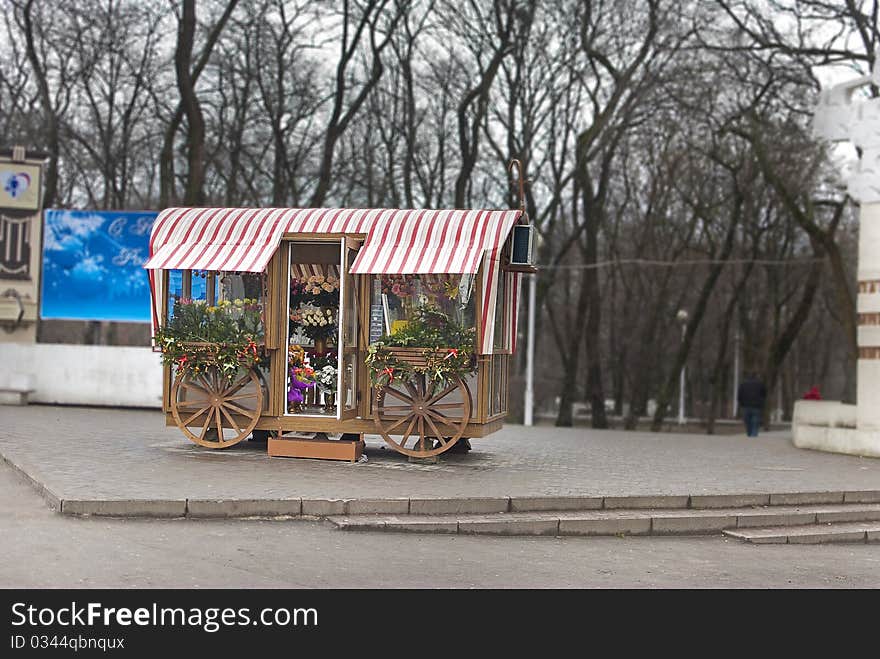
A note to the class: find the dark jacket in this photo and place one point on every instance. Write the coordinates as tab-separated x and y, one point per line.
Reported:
751	393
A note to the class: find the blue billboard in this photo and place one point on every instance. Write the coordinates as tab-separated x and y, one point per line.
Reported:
93	265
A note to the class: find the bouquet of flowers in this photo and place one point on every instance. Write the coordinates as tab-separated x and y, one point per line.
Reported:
318	290
301	378
320	359
399	285
326	378
318	323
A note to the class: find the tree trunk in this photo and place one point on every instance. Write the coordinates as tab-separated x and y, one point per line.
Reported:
194	194
50	183
694	322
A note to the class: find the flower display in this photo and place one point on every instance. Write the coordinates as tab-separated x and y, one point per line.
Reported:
448	349
224	336
313	304
318	323
399	285
326	378
317	290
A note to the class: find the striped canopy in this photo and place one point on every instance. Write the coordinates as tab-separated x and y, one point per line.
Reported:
397	241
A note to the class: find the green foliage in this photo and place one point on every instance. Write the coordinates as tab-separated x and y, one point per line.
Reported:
198	337
448	349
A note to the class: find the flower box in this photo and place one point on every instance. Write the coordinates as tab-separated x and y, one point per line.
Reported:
413	356
322	449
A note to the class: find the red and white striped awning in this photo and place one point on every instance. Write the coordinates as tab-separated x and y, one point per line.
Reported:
397	241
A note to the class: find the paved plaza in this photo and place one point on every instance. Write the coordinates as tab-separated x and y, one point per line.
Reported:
83	454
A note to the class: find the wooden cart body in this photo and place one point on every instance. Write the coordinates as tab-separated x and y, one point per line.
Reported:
206	245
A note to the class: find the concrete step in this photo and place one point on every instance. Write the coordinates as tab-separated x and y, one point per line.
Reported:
670	521
810	534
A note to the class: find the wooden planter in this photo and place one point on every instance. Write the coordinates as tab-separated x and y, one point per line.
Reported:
325	449
415	357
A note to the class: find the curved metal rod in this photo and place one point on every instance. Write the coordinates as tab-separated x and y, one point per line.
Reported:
520	182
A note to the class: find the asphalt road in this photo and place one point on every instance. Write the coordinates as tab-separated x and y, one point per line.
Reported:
42	549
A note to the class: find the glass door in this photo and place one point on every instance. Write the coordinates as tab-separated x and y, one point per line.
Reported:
349	319
314	301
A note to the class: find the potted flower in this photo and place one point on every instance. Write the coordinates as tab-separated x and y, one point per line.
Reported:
319	325
327	379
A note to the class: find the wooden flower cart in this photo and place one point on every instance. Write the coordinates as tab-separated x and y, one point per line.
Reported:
333	288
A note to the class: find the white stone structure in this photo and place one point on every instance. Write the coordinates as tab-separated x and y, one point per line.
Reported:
826	425
115	376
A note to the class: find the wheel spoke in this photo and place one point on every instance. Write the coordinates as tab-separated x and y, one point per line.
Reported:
235	386
409	430
219	422
232	424
208	379
442	418
397	423
189	420
412	390
396	407
241	410
193	402
192	385
205	427
434	429
422	435
204	379
447	406
242	396
443	394
218	380
399	395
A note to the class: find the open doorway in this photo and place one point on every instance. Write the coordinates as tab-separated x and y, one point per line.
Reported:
322	330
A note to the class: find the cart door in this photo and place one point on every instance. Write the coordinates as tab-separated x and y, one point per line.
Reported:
349	319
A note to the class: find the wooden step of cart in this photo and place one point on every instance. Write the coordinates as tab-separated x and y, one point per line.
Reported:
317	445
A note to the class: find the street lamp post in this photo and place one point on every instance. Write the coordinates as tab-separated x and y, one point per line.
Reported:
528	415
682	317
734	404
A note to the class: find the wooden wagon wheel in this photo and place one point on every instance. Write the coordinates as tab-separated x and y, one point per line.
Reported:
222	411
412	409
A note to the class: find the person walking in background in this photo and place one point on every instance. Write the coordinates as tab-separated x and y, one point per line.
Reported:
751	396
813	394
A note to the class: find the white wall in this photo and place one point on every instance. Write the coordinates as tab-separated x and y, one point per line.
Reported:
831	426
86	375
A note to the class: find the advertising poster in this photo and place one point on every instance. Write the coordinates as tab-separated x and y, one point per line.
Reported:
93	265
